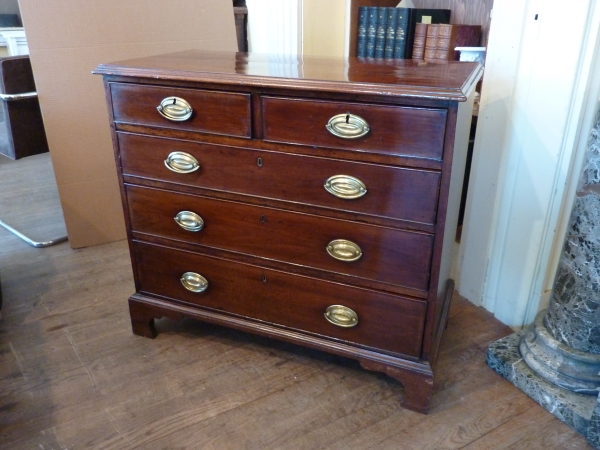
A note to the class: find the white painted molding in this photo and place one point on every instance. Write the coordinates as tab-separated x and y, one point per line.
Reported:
15	40
300	26
583	110
530	113
275	26
347	28
494	108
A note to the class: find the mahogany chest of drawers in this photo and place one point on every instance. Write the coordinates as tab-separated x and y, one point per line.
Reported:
305	199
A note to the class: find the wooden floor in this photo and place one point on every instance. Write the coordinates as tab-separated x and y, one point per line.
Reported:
72	375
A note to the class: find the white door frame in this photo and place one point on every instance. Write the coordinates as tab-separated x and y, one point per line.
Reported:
534	114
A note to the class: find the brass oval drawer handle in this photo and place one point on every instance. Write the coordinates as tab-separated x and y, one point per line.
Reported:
347	126
342	316
344	250
345	186
189	221
181	162
175	109
194	282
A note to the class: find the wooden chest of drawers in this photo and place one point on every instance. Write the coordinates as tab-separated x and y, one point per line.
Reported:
309	200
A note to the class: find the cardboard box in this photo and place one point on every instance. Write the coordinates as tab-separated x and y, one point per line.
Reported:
67	40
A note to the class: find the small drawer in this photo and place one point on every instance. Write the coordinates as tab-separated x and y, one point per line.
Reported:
387	322
391	192
392	130
386	255
211	111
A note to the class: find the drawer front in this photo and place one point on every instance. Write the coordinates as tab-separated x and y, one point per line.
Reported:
389	256
387	322
392	192
393	130
212	112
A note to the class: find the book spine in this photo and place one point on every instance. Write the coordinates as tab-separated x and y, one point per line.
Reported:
431	42
380	32
361	40
390	35
423	15
444	42
418	49
410	32
400	44
371	30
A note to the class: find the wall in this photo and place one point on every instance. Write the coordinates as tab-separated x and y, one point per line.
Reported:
274	26
9	7
533	110
532	114
64	50
291	27
465	12
323	27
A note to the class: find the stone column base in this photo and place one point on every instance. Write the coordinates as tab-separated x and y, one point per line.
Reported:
579	411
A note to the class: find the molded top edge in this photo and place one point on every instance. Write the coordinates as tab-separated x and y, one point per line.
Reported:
442	80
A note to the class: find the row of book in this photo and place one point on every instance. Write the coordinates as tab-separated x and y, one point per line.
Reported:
436	42
402	33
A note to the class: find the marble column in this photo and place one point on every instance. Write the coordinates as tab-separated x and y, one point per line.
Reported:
556	361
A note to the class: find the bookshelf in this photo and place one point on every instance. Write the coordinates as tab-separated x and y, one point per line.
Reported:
466	12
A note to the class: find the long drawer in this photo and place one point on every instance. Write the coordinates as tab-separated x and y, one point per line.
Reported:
381	254
390	192
392	130
215	112
390	323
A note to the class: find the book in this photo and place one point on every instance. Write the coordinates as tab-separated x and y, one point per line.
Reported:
390	35
420	36
371	30
423	15
401	32
380	31
361	41
451	36
431	40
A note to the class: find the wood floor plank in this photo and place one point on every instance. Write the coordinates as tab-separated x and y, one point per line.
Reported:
517	432
541	437
282	416
61	397
89	433
209	383
473	423
324	435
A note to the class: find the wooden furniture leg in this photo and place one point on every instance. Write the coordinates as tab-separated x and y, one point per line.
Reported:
418	387
142	319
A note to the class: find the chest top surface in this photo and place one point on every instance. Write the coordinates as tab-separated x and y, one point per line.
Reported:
452	81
